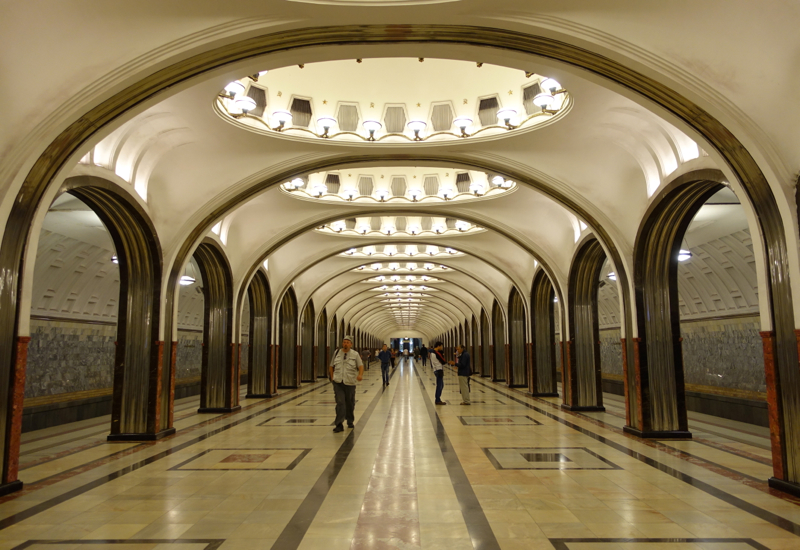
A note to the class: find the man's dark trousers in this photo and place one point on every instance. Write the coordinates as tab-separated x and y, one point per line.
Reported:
385	372
345	403
439	384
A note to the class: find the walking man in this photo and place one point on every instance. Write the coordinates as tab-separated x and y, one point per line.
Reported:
437	363
423	354
464	372
386	359
346	369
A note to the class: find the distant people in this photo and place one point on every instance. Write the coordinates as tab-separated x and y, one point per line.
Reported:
365	353
346	369
386	359
438	363
423	354
394	355
464	372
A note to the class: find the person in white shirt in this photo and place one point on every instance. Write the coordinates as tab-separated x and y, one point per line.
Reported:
438	362
346	369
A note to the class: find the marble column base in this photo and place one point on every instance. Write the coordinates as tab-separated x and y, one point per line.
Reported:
202	410
582	408
258	395
668	434
785	486
141	437
545	394
8	488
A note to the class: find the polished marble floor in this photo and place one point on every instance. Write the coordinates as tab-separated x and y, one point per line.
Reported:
510	472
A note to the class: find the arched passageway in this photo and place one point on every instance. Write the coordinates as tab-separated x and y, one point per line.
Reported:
543	378
219	384
307	344
583	387
289	365
517	335
322	345
260	376
499	371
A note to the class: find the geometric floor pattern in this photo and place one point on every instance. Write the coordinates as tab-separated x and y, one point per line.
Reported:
510	472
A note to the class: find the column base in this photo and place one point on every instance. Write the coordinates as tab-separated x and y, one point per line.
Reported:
518	385
582	408
8	488
141	437
545	394
218	409
258	395
667	434
783	485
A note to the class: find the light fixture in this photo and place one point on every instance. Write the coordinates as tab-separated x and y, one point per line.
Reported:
351	252
450	250
382	194
296	183
684	255
244	104
410	278
443	266
425	278
395	278
114	259
417	126
476	187
447	193
186	280
376	267
543	100
411	249
550	84
364	228
498	181
555	300
461	225
506	115
411	266
390	250
319	189
432	250
234	88
389	229
326	123
462	123
428	266
394	266
372	126
612	276
415	193
283	117
368	250
360	267
439	228
350	193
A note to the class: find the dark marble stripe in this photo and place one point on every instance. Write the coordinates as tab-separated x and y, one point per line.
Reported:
46	505
211	544
770	517
563	544
480	531
292	535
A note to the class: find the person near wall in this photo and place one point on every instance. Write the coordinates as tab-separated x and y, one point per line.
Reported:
423	354
346	369
438	363
464	372
386	359
394	355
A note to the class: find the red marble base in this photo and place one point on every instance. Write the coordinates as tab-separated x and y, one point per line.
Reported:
672	434
774	404
16	397
11	487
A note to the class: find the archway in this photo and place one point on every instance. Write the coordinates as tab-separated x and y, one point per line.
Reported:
517	357
499	370
475	346
288	366
307	373
322	345
219	384
259	377
543	379
486	345
583	389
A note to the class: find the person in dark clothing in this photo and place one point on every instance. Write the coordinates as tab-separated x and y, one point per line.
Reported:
423	354
464	372
438	363
386	359
393	355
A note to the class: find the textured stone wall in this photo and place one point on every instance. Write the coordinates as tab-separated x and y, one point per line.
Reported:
610	351
68	357
726	353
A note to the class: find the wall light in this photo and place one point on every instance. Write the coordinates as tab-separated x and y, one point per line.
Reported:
326	123
114	259
283	117
462	123
186	280
417	126
376	267
684	255
234	88
506	115
372	126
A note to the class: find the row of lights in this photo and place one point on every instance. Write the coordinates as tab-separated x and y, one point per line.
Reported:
396	278
411	250
413	228
319	189
243	104
395	266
